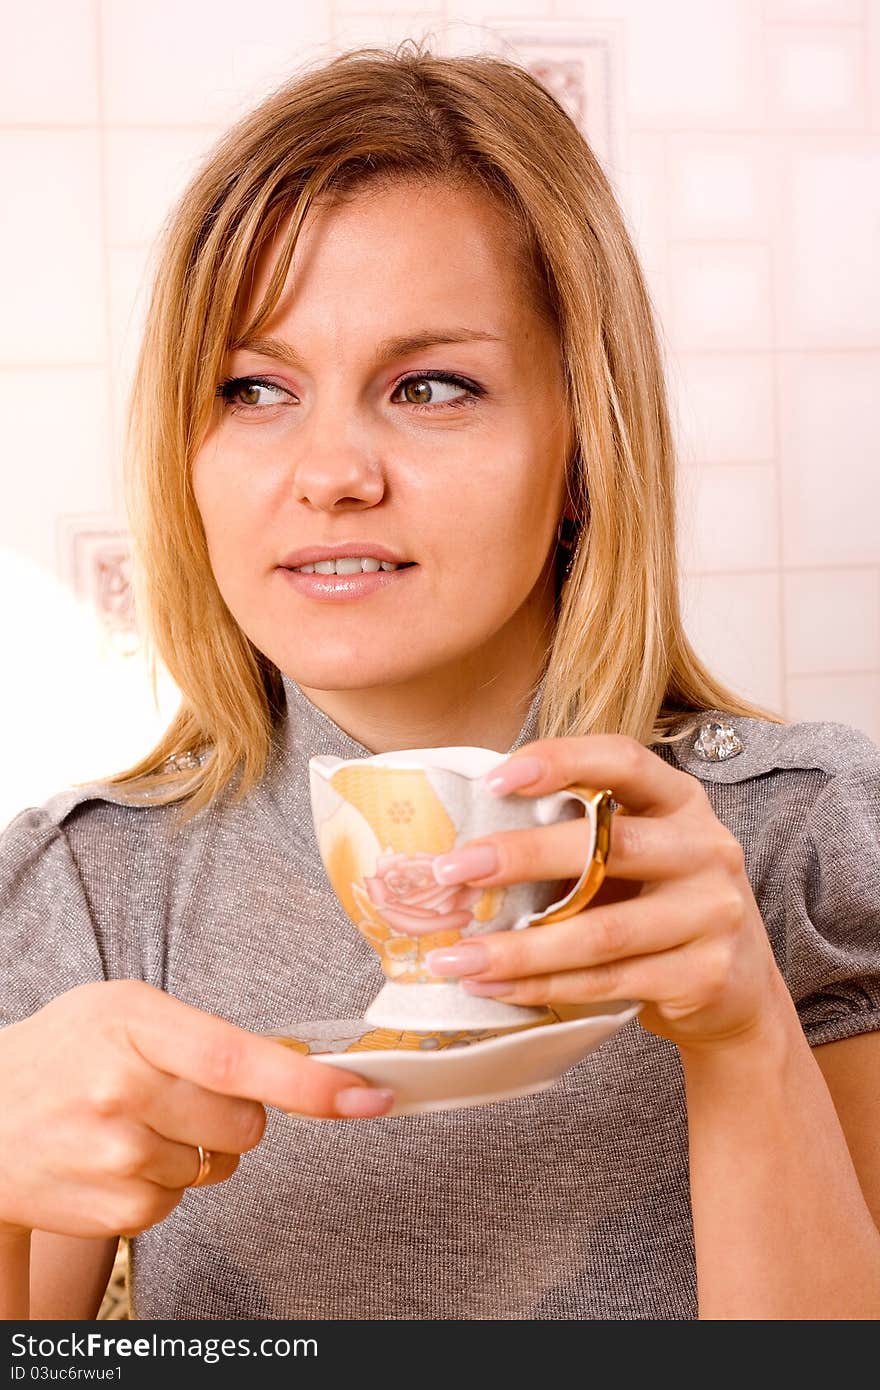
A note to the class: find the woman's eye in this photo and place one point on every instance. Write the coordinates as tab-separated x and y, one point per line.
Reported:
244	394
421	394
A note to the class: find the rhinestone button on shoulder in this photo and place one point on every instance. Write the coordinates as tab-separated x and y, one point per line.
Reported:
182	762
716	742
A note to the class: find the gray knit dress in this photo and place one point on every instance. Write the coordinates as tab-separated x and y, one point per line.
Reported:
569	1204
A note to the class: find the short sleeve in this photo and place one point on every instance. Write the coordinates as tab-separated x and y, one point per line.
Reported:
833	909
47	937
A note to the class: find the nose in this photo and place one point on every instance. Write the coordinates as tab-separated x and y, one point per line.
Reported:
331	471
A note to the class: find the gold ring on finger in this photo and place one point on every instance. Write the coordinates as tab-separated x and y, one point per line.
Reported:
205	1159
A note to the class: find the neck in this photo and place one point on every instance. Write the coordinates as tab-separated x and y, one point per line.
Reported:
475	702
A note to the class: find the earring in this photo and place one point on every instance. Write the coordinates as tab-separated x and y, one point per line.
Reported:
567	533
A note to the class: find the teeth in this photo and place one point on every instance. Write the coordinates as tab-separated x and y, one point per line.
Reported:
347	565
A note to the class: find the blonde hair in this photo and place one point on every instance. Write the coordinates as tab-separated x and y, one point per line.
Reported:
619	660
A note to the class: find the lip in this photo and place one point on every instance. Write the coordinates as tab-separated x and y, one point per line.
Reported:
310	554
343	588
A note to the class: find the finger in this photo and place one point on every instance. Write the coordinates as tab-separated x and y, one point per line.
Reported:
665	978
177	1166
599	935
221	1057
130	1152
638	779
188	1114
641	849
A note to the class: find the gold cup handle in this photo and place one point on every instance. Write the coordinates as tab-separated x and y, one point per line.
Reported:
594	872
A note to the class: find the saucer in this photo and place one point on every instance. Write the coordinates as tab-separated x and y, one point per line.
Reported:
448	1070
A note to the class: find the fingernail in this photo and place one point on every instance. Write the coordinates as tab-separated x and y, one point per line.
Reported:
518	772
462	865
468	958
487	986
363	1101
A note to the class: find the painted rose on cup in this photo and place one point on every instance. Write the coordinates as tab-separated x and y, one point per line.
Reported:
409	897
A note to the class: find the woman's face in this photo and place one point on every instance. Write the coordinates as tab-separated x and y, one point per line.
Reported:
354	443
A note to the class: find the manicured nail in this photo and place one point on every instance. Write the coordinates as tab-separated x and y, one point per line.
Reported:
468	958
363	1101
518	772
463	865
488	986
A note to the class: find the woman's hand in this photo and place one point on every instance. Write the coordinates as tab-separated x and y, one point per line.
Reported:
675	923
107	1092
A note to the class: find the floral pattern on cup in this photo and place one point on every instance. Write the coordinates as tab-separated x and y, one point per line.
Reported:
409	898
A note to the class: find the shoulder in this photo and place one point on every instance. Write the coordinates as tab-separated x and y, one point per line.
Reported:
725	748
91	820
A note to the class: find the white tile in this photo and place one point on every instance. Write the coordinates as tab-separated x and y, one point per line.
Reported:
146	171
815	78
453	12
48	64
851	700
815	11
427	22
687	63
381	7
872	62
733	622
719	295
728	518
480	11
171	64
723	406
828	289
130	273
641	194
52	305
718	186
62	466
830	462
832	621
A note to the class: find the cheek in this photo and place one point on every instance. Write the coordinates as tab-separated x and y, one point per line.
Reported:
227	501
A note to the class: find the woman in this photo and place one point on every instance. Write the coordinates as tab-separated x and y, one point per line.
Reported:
455	385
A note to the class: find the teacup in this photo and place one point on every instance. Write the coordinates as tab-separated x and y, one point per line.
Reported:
382	820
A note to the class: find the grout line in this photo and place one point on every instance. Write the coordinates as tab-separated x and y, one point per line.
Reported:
775	229
143	127
836	673
856	567
110	462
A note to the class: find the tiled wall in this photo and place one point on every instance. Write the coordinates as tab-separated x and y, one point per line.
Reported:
743	138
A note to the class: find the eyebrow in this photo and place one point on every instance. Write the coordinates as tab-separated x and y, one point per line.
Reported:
387	351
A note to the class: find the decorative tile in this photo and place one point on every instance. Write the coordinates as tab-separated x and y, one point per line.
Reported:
99	559
579	63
